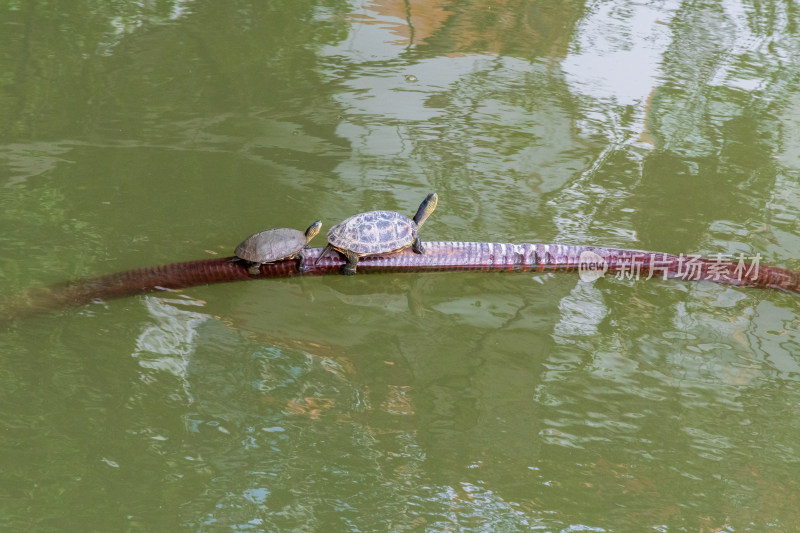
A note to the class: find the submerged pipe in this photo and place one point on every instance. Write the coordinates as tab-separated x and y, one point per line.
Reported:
438	256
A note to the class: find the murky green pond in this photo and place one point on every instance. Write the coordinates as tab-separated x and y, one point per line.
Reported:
141	133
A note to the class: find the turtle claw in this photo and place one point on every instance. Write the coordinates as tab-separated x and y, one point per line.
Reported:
325	251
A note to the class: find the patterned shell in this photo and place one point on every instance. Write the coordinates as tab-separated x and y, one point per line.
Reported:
271	245
375	232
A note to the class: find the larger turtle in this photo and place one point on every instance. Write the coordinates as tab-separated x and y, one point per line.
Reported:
378	232
274	245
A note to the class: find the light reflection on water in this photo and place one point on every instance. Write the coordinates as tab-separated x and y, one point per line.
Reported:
442	401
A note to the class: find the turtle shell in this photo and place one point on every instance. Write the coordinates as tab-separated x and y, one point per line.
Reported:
271	245
374	232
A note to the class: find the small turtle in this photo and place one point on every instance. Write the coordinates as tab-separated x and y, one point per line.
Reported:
377	232
276	244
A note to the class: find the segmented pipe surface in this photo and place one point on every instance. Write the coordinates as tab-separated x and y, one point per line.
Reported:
438	256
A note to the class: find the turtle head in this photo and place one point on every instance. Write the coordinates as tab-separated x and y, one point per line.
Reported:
312	230
426	208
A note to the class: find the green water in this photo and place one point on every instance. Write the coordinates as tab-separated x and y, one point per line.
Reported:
141	133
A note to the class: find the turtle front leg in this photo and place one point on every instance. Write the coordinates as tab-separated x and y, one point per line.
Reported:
254	269
417	246
301	264
349	268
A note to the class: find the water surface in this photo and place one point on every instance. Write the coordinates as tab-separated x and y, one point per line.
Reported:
135	134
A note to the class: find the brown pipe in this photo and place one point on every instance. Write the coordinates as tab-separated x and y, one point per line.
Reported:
438	256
